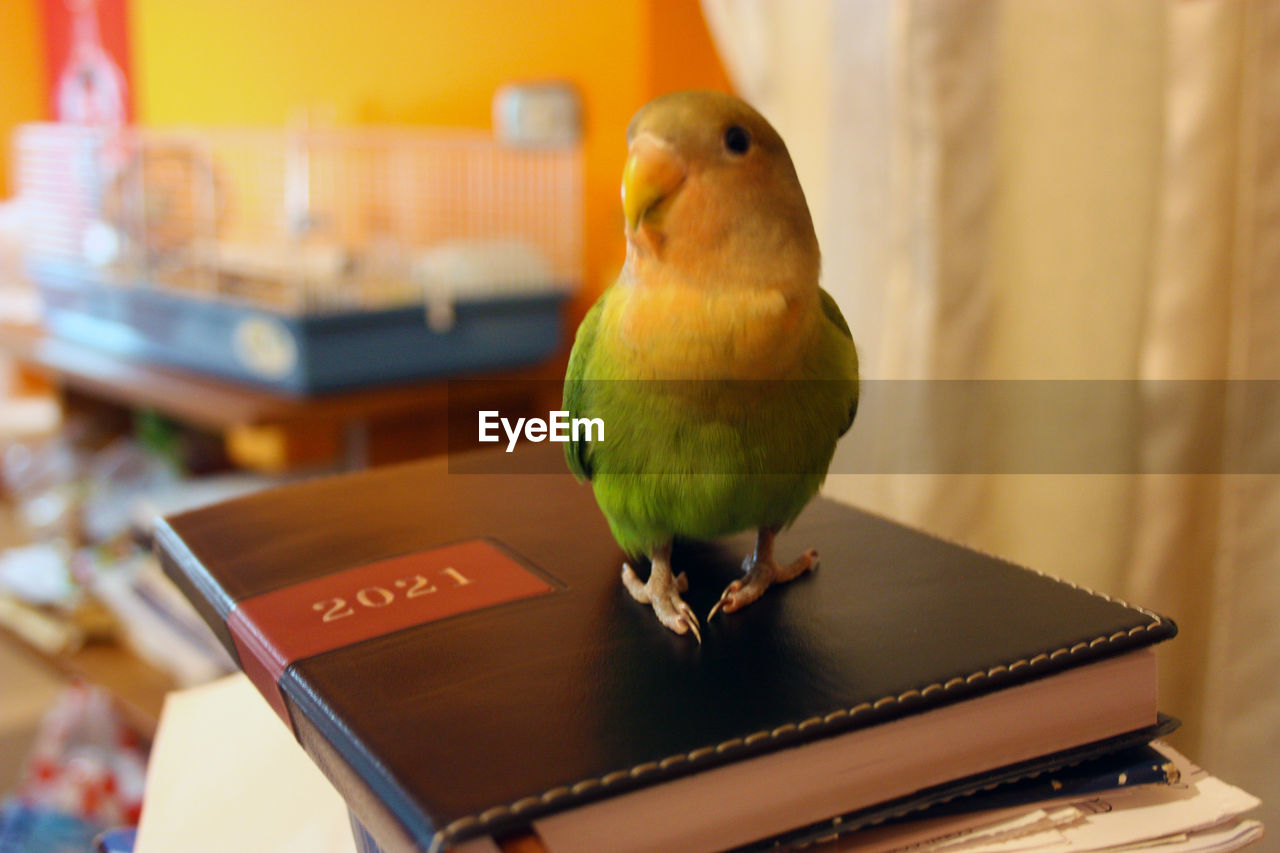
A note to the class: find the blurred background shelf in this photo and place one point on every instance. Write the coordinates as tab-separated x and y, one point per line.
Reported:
273	431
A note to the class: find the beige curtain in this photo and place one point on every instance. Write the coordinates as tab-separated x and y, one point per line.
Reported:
1207	547
888	109
1031	189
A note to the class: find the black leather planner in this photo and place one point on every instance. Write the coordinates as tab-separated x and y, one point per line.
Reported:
457	653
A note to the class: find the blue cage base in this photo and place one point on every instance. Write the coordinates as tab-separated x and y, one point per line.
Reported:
298	354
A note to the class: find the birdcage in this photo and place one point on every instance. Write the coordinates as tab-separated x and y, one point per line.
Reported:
305	259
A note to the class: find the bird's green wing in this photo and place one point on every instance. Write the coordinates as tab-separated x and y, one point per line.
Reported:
832	312
575	389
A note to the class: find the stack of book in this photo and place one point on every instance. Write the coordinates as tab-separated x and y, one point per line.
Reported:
1148	797
457	654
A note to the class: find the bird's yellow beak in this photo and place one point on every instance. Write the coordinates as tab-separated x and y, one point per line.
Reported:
652	173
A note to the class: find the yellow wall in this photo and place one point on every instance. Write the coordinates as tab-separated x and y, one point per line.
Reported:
21	75
425	62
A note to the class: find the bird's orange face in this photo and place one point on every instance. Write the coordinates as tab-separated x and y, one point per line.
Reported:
708	180
722	263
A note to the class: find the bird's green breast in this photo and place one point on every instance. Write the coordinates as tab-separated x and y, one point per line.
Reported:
701	457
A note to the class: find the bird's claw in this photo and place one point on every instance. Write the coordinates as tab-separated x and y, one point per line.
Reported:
678	616
687	615
760	575
665	599
724	596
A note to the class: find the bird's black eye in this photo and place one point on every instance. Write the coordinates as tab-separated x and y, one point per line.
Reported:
736	139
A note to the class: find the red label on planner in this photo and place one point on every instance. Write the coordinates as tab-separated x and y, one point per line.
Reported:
275	629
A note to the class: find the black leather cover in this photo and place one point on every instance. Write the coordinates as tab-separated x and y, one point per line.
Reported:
478	723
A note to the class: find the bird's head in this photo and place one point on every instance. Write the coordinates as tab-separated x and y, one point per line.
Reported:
708	182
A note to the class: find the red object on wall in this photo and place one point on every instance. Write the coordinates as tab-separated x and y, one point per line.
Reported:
87	62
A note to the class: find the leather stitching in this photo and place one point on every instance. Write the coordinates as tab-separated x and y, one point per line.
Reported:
449	832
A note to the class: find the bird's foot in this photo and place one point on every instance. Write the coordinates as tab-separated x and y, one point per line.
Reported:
662	592
760	575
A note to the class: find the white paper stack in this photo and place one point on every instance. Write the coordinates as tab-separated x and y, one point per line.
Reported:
1199	813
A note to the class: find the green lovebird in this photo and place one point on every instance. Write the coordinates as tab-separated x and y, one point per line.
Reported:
723	373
